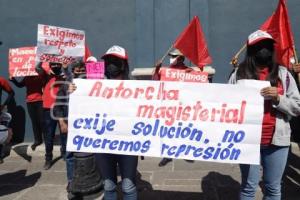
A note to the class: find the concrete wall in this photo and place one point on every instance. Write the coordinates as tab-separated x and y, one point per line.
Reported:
146	28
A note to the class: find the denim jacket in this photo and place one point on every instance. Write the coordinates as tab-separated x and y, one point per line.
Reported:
289	106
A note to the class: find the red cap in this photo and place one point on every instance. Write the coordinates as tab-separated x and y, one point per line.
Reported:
117	51
258	36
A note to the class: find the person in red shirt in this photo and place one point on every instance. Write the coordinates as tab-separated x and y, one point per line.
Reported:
176	62
4	86
34	92
54	78
282	101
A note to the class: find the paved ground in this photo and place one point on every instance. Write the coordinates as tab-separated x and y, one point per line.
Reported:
22	177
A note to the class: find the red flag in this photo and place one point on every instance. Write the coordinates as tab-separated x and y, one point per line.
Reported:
87	52
278	25
191	42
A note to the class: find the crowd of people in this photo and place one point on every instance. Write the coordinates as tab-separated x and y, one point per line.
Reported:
46	111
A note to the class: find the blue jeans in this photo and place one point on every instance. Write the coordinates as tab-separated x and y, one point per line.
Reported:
128	166
49	130
273	162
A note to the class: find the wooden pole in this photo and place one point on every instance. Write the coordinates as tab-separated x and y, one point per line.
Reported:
159	62
296	61
236	56
165	55
295	54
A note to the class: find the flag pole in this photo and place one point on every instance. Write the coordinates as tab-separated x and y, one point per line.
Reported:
158	64
296	61
295	54
235	57
165	55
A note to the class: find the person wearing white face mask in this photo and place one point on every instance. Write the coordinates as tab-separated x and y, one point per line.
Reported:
176	62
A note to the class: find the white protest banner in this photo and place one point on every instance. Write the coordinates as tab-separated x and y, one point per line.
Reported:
208	122
21	62
57	44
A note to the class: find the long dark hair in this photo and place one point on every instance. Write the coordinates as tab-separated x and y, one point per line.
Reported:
247	69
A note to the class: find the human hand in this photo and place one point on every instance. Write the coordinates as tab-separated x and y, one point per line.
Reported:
72	87
63	126
270	93
155	75
234	61
296	68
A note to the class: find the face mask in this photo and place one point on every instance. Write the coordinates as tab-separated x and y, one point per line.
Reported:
263	56
173	61
112	71
56	70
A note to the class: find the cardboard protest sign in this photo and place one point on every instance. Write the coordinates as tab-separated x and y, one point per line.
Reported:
169	74
95	70
208	122
57	44
21	61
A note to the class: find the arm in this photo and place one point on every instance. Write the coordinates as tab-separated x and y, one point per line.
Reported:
60	109
10	93
39	69
290	102
17	83
156	74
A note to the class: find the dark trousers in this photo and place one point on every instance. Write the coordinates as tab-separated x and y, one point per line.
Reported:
35	110
49	130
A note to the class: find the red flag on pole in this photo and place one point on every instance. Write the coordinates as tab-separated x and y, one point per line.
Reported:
87	52
191	42
278	25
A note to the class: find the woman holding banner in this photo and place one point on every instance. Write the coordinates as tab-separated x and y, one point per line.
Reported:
282	100
116	67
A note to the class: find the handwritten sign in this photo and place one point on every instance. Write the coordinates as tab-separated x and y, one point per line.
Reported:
95	70
169	74
208	122
22	62
57	44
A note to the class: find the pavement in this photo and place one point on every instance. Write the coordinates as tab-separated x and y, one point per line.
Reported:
22	178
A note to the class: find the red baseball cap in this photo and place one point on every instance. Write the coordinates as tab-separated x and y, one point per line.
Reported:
257	36
117	51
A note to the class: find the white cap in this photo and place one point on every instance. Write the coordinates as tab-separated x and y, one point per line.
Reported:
258	36
116	51
91	59
175	52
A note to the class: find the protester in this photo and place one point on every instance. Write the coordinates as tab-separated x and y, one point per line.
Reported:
176	62
60	110
116	67
84	180
5	117
282	100
34	92
53	77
